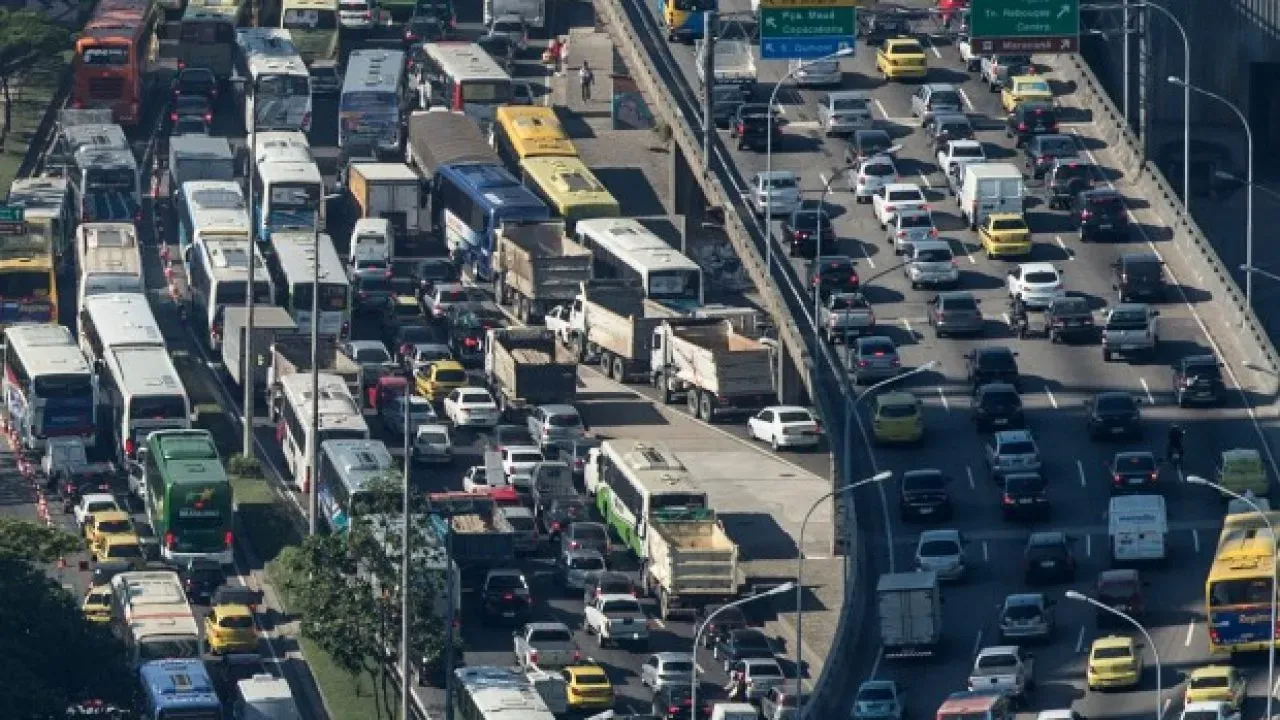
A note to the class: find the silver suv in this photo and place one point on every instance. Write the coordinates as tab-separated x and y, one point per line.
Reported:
1012	451
1026	616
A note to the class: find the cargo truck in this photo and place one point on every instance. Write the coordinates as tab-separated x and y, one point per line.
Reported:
714	366
291	355
690	561
538	267
477	534
735	64
396	192
270	323
612	322
526	367
910	610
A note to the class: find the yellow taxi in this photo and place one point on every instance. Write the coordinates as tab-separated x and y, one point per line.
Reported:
121	546
1216	683
1023	88
1005	235
896	418
107	522
1114	662
439	379
230	629
901	58
588	687
97	604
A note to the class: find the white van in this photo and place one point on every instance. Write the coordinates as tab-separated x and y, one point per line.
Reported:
371	243
988	188
734	711
1138	527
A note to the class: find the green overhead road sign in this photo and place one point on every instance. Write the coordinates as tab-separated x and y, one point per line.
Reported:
1024	26
807	22
12	220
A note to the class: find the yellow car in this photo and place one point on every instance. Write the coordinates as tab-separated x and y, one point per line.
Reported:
1114	662
1025	87
97	604
897	418
107	522
122	546
230	629
1216	683
588	687
900	58
1005	235
439	379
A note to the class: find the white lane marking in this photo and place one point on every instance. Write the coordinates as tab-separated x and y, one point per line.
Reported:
1191	631
1058	239
923	178
1181	477
1195	540
1165	707
977	643
1276	689
969	471
1052	400
986	554
1003	316
932	47
1080	640
822	177
875	666
1080	469
880	107
655	620
965	97
1147	389
907	324
941	395
1088	544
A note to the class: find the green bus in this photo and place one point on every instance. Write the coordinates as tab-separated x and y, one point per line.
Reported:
636	484
187	495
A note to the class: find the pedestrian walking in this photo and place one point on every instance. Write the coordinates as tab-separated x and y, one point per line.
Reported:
554	55
587	78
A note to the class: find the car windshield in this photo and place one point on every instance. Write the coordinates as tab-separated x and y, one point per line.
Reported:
1018	447
100	505
904	195
878	169
1009	224
677	667
1115	403
809	218
1127	320
952	304
1041	277
967	151
915	220
1106	205
109	527
1057	146
1209	682
875	694
944	98
433	437
998	660
1116	652
795	416
1021	611
505	582
591	678
939	548
124	550
933	255
924	481
1135	463
1203	371
765	670
955	129
616	586
780	183
1143	269
508	27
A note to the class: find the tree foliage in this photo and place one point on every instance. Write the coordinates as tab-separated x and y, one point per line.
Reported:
28	542
25	36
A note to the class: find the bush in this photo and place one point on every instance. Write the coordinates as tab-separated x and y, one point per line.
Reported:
244	466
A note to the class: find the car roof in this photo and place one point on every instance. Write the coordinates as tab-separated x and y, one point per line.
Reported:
1034	106
366	344
1112	641
98	497
932	245
907	212
965	143
559	409
897	397
902	186
1126	575
111	515
1005	436
546	626
1024	599
948	117
1038	267
956	295
934	87
940	534
789	408
848	95
986	350
1213	671
1047	537
875	340
672	656
1139	256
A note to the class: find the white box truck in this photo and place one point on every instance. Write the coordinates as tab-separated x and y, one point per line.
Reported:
988	188
1138	528
910	609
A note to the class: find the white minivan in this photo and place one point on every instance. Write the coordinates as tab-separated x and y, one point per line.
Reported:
1138	528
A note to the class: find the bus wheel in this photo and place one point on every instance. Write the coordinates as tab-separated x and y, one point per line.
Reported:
619	369
706	406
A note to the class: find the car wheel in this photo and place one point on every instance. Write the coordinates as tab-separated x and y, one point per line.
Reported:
773	443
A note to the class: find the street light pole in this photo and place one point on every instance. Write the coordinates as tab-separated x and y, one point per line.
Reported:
1275	576
315	382
247	374
877	478
405	683
785	587
1074	595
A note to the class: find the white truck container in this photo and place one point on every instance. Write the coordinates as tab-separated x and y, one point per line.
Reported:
371	242
987	188
1138	528
735	63
612	323
269	324
910	610
689	563
534	12
265	697
714	366
392	191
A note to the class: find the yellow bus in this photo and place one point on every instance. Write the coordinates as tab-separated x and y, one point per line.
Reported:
1238	591
28	283
314	27
525	131
569	188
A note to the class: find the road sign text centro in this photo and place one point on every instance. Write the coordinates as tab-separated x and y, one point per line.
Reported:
1012	26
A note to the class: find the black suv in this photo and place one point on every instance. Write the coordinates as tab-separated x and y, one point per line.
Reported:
1101	215
1198	380
424	29
751	127
866	143
1031	118
1138	276
801	232
924	496
1048	558
726	621
200	578
196	81
1042	150
429	271
998	405
883	26
1136	471
1026	496
1113	414
992	364
674	701
945	127
742	644
836	273
1069	318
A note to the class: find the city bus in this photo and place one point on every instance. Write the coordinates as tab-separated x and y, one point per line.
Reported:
624	249
210	209
287	196
465	78
470	203
347	469
636	483
152	615
292	263
340	419
177	689
219	275
188	496
28	279
375	95
110	58
497	693
281	146
46	209
104	180
525	131
314	27
1238	590
109	260
569	188
273	85
49	389
685	20
208	35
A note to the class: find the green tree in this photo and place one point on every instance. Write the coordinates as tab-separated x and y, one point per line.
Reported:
25	36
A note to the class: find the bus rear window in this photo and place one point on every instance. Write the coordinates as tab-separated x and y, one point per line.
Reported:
333	298
660	501
105	56
232	292
158	407
63	386
487	91
209	33
369	100
25	284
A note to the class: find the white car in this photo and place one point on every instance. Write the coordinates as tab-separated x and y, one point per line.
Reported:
941	551
891	198
785	426
557	321
91	503
471	407
518	460
1036	283
432	444
476	479
871	175
778	191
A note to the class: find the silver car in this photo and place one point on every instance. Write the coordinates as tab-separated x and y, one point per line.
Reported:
872	174
666	668
931	263
431	444
577	567
1026	616
933	98
843	112
1012	451
816	73
911	226
877	700
585	536
873	358
955	313
941	551
554	423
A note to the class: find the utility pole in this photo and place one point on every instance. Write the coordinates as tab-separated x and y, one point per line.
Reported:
315	380
247	345
405	682
1144	83
709	29
1128	53
450	580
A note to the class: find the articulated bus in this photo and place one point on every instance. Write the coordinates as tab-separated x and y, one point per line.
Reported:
624	249
525	131
111	58
375	95
466	79
293	272
569	188
109	260
49	389
218	269
314	27
635	483
28	279
1238	591
339	419
287	196
347	469
188	497
470	202
273	85
685	20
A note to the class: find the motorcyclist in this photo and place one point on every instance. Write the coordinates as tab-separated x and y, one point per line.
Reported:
1017	311
1175	441
737	687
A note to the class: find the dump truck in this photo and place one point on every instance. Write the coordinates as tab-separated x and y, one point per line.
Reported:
526	367
611	322
291	355
910	610
538	266
715	367
479	536
690	561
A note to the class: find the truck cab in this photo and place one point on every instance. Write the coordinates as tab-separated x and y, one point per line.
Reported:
371	243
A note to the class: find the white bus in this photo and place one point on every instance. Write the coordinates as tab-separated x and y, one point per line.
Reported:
293	273
49	389
624	249
273	85
340	419
464	78
210	209
633	481
281	146
218	271
374	98
116	320
497	693
154	617
347	469
109	260
287	196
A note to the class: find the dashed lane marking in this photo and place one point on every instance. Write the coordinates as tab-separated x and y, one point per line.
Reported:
965	97
1052	400
880	107
969	471
1191	631
907	324
1088	545
1151	399
1080	469
1080	641
1058	239
941	393
986	551
925	179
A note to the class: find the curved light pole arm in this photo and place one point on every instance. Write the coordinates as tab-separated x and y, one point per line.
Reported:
1249	269
1186	102
1155	652
697	635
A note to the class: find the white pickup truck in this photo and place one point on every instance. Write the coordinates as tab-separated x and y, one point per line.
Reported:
1005	669
617	619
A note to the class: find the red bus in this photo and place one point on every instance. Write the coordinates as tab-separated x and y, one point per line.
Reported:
111	58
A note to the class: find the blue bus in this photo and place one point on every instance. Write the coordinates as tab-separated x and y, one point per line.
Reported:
685	20
178	690
470	202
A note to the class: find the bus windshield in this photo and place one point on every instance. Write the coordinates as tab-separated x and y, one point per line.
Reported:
24	283
105	56
62	386
282	86
369	101
497	92
333	297
295	19
158	407
177	647
111	179
206	32
673	284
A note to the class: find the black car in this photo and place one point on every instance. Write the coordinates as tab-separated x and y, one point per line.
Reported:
866	143
429	271
726	620
560	513
1198	380
945	127
751	127
1113	414
801	232
924	496
1101	215
741	644
1047	559
424	29
401	338
1134	471
1031	118
442	9
1138	276
992	364
883	26
1026	496
195	81
469	324
674	701
833	274
372	292
998	405
607	583
192	106
506	595
1120	589
200	578
1069	318
726	100
1065	179
1043	150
